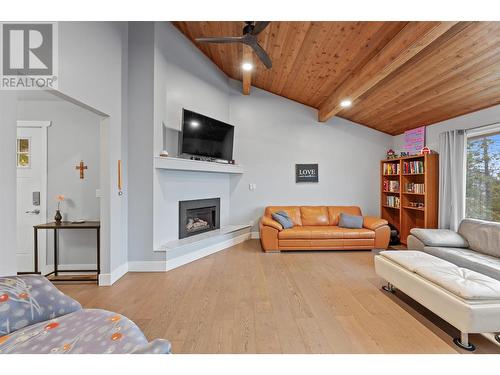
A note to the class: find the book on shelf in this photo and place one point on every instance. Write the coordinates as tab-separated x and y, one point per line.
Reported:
391	168
392	201
413	167
415	188
391	186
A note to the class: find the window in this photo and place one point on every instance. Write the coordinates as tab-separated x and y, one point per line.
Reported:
482	194
23	152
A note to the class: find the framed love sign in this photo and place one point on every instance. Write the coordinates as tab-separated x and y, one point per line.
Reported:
306	172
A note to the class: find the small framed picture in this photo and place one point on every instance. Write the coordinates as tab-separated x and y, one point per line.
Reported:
306	173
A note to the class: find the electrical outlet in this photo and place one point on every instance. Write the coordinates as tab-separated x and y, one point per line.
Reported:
252	186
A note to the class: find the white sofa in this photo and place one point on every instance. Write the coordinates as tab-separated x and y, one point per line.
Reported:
468	300
476	246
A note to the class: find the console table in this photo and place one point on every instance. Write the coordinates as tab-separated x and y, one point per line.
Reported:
65	225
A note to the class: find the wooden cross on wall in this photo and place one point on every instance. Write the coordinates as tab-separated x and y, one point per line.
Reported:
81	167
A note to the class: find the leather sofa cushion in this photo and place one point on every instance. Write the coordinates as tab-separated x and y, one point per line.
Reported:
325	232
358	233
411	260
334	212
482	263
483	236
295	233
439	237
467	284
462	282
314	215
292	211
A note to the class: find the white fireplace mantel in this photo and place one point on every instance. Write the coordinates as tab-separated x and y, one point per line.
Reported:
172	163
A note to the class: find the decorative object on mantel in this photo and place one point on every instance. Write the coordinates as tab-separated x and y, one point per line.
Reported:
164	153
404	154
425	150
390	154
58	216
81	167
415	140
306	172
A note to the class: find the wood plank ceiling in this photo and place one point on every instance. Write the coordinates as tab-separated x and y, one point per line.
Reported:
457	73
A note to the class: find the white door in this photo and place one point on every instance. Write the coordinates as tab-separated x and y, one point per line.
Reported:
31	162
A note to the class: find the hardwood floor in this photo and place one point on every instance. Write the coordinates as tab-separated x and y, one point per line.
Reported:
242	300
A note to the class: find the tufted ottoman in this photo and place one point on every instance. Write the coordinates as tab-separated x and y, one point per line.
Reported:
468	300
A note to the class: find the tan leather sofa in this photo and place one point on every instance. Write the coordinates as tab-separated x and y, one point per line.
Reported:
316	228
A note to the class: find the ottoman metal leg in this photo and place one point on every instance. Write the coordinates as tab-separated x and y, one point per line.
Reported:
389	288
463	342
497	337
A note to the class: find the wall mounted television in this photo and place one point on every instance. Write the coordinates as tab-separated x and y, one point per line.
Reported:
205	137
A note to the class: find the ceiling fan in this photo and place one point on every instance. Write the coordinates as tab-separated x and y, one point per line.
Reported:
250	32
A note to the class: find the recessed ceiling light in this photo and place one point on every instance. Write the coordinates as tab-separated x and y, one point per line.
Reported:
247	66
194	124
345	103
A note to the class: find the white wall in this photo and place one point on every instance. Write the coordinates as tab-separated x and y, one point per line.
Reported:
272	134
176	186
140	140
8	211
472	120
91	71
184	78
73	136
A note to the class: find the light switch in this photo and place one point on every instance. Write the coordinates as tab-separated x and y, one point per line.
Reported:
98	193
252	186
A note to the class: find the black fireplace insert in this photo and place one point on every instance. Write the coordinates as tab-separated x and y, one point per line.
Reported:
198	216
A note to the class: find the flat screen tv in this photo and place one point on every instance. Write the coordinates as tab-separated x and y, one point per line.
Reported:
206	137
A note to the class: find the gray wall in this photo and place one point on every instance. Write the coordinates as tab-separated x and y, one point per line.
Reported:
472	120
140	139
8	211
273	133
91	71
73	136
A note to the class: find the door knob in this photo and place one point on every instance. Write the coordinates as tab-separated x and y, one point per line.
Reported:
35	212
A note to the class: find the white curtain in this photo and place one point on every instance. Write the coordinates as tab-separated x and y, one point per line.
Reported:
451	178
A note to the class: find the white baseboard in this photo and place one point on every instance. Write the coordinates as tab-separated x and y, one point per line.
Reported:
147	266
195	255
255	235
106	279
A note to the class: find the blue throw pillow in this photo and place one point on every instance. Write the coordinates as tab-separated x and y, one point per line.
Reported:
350	221
30	299
283	218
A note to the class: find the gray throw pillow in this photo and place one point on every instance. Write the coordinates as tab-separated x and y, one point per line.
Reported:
350	221
283	218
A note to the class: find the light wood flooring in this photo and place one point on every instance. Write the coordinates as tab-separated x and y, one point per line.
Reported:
242	300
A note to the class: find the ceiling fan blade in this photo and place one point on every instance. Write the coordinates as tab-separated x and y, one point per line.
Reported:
226	39
263	56
259	27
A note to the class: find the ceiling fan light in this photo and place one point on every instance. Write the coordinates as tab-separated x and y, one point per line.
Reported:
345	103
247	66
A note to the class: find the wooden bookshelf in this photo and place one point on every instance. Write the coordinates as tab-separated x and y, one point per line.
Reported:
404	216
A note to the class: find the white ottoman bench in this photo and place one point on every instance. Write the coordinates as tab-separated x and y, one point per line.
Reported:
466	299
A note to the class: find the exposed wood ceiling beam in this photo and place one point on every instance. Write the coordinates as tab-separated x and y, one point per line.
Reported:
412	39
247	74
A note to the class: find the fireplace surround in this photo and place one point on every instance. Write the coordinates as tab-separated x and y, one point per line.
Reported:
198	216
